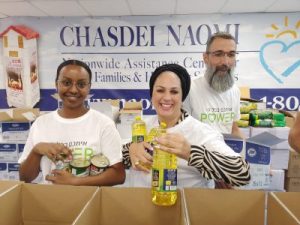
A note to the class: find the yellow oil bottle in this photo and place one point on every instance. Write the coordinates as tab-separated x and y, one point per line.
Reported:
139	130
164	174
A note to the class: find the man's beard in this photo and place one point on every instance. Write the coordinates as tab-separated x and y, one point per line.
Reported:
219	82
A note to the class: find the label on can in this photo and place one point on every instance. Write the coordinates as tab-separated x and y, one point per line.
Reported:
99	163
80	167
63	163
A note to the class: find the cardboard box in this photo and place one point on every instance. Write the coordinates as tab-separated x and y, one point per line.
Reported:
3	171
129	111
276	180
257	151
280	132
279	159
32	204
19	114
129	206
109	108
226	207
15	131
8	152
283	208
294	164
292	184
6	185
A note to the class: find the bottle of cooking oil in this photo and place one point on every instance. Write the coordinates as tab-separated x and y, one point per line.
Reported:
139	134
139	130
164	174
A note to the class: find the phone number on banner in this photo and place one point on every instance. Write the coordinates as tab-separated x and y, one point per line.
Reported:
286	99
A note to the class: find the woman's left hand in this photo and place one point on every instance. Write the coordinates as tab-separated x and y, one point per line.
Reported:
61	177
175	143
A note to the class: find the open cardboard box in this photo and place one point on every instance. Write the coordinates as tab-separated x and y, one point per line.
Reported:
6	185
226	207
129	111
32	204
129	206
236	207
284	208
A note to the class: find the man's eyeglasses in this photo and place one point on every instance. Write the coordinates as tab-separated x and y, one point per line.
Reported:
70	83
221	54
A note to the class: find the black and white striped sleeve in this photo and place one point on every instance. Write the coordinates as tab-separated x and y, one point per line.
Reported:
126	157
233	170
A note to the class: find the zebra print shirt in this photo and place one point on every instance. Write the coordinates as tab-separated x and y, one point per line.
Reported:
233	170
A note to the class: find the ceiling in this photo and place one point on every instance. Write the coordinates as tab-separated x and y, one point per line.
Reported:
42	8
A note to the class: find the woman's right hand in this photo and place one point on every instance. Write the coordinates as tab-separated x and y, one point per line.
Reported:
53	151
140	158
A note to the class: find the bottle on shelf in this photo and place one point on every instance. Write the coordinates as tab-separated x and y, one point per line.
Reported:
139	130
164	174
139	134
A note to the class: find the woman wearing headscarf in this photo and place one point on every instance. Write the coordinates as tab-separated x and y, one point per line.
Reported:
202	153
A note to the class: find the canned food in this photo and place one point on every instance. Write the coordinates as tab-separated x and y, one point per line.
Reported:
80	167
63	163
99	163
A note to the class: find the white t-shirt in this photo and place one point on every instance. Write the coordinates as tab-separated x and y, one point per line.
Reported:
219	110
90	134
196	133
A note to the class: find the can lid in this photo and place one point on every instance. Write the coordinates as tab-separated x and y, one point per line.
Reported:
100	160
80	163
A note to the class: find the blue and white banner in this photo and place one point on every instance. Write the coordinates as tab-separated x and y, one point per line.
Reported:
123	52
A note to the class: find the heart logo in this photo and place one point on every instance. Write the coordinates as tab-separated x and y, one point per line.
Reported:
283	53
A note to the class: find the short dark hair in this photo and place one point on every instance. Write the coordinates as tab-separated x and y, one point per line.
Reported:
221	34
73	62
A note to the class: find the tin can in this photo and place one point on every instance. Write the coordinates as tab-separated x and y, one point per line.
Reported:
80	167
63	163
99	163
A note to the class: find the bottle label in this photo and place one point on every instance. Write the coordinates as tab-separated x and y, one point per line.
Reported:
168	181
137	138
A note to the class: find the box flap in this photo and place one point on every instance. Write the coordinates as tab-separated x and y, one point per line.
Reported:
11	206
226	207
282	207
265	139
54	204
24	115
134	206
6	115
132	106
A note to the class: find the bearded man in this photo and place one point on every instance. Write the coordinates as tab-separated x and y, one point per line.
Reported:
215	99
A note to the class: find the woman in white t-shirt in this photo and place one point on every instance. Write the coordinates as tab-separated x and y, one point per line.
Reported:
203	154
72	131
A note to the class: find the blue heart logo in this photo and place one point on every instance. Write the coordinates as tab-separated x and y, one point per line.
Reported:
284	49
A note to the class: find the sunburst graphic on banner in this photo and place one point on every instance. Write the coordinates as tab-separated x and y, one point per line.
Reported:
286	30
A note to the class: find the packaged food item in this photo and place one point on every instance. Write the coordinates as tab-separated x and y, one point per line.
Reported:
63	163
139	130
99	163
80	167
164	174
243	123
139	134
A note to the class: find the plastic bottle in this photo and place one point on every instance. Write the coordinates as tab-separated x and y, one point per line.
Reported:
139	134
164	174
139	130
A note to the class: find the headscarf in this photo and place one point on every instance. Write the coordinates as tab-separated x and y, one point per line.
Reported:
181	72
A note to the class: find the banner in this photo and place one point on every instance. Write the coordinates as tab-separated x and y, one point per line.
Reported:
123	52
